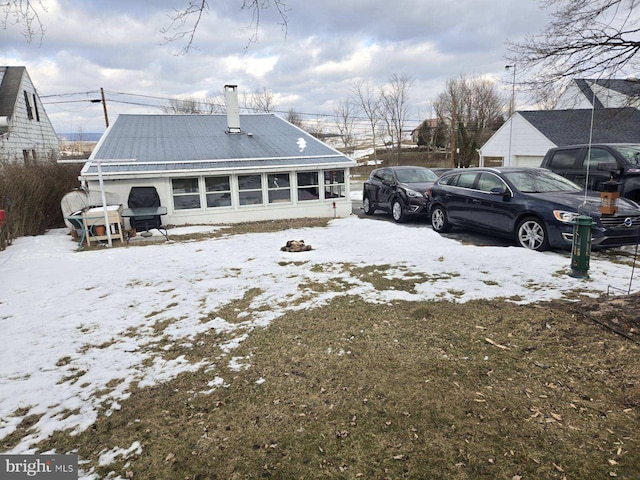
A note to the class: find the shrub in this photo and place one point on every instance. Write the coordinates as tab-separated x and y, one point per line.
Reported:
30	195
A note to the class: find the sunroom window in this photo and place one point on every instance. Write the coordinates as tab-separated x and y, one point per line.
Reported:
186	193
218	191
308	187
250	189
279	187
334	186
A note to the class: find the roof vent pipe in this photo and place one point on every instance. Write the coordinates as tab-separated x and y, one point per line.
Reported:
233	112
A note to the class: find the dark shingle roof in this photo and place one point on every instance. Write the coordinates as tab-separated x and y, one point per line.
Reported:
628	88
10	79
196	142
571	127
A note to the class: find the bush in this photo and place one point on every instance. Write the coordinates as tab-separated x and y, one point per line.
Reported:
30	195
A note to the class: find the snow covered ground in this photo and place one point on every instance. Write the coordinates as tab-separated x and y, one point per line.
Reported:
78	326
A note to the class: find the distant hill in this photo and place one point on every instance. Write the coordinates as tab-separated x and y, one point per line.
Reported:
76	137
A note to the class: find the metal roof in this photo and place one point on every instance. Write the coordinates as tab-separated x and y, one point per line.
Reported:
571	127
160	143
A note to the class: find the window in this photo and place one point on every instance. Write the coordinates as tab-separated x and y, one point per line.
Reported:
489	181
186	194
218	191
308	188
564	159
334	186
598	155
250	189
27	105
35	107
279	186
466	180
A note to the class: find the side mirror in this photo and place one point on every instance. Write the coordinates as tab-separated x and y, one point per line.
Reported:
501	191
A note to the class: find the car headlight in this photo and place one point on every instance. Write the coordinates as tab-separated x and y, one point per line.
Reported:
413	193
565	217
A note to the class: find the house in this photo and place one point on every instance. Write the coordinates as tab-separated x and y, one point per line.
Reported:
525	138
26	134
601	93
228	168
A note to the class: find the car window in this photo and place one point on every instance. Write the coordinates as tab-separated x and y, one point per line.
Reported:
377	174
448	179
596	156
415	175
631	153
387	176
564	159
466	180
539	181
489	181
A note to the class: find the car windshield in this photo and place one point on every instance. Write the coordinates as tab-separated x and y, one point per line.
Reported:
416	175
538	181
631	153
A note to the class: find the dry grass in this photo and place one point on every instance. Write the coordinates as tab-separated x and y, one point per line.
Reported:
406	390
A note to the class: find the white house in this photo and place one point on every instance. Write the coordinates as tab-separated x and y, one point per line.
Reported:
600	93
26	134
524	139
229	168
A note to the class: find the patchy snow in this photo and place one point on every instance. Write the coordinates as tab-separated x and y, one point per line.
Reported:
78	327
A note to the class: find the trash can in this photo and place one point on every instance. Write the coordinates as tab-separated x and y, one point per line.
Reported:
581	246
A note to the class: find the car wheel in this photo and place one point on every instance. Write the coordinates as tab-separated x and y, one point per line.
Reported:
439	221
367	206
397	211
531	233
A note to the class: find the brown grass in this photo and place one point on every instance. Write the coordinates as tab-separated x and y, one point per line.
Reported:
485	389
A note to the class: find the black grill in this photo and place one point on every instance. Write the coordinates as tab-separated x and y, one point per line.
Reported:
618	221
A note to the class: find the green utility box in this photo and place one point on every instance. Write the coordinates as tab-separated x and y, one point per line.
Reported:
581	247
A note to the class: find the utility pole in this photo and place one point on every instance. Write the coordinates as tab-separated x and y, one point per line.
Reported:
512	107
104	106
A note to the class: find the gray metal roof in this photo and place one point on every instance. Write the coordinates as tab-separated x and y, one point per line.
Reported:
572	127
10	79
160	143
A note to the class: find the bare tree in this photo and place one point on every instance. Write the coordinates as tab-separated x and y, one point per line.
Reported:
394	107
585	38
260	101
26	13
368	100
194	106
343	115
295	118
472	107
183	25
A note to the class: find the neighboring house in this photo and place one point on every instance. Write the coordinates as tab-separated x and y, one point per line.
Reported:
525	138
222	168
26	134
604	93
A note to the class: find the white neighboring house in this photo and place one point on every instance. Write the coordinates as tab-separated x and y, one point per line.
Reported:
26	134
525	138
211	169
600	93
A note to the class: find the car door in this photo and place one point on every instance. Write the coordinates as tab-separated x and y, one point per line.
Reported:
458	199
387	189
490	209
593	176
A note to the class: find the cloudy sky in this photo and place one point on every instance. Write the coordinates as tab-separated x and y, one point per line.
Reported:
118	46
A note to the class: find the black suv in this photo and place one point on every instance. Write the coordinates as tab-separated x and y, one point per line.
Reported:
400	191
604	161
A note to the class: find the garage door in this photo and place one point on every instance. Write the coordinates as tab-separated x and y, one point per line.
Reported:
528	161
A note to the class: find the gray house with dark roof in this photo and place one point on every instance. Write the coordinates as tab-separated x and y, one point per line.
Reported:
525	138
26	134
229	168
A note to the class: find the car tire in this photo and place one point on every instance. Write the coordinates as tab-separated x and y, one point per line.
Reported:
397	211
531	233
368	207
439	221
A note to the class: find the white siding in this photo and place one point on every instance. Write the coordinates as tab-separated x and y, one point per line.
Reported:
520	138
28	134
572	98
